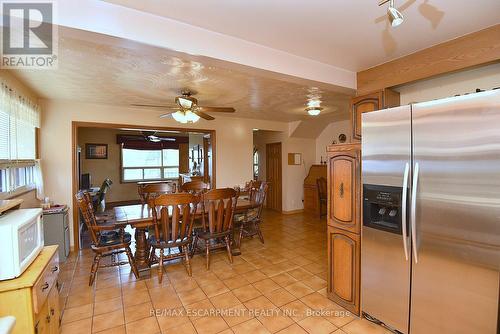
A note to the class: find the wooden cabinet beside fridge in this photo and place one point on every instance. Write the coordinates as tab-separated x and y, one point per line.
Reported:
344	225
381	99
343	268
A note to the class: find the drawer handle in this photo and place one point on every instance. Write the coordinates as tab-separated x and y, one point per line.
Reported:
45	286
52	311
341	190
54	269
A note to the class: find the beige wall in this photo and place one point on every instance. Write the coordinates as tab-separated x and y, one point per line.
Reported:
484	77
100	169
234	141
292	175
329	134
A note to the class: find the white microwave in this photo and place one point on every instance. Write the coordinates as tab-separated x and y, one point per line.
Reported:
21	240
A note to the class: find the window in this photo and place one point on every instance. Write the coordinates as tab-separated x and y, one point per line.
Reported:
17	179
18	120
255	164
143	165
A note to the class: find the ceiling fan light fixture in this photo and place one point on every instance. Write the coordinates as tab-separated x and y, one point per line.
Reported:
394	15
314	111
185	117
185	102
192	117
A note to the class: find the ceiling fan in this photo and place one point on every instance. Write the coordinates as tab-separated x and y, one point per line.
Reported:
187	109
152	137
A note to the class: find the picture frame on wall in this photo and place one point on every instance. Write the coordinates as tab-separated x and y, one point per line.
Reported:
96	151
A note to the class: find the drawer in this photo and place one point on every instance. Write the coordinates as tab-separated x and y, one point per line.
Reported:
45	282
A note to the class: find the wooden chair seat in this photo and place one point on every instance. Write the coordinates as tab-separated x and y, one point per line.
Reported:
158	243
113	238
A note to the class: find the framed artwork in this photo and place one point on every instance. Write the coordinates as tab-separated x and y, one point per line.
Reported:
96	151
294	158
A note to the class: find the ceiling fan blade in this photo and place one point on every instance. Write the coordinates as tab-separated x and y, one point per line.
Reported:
154	106
166	139
203	115
168	114
216	109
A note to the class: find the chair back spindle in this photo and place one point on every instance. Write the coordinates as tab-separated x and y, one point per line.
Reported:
219	205
173	216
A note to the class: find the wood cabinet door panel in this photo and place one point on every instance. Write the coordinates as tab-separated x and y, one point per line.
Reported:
342	195
343	268
344	190
362	104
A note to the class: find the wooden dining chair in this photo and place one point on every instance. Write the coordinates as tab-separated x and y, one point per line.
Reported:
218	207
173	216
106	239
155	189
250	221
195	187
321	184
100	199
254	189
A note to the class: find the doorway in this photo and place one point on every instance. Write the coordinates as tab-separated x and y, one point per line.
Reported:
273	176
186	153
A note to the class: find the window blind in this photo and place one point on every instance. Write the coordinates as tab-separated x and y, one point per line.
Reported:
18	120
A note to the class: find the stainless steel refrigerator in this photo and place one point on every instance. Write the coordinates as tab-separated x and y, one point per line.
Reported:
430	251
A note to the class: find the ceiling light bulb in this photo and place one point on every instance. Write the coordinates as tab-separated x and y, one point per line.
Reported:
179	116
191	117
314	111
395	16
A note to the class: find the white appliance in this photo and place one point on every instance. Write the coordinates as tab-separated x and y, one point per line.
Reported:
21	240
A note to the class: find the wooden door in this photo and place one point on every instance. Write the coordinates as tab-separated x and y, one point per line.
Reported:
343	266
273	176
344	188
207	161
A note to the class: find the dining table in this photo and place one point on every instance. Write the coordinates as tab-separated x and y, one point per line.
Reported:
139	217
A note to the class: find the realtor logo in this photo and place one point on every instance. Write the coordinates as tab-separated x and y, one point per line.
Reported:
28	35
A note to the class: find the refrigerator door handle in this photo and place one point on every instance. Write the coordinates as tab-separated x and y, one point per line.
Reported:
404	203
414	212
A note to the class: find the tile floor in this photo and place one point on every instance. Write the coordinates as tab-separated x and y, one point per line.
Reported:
278	287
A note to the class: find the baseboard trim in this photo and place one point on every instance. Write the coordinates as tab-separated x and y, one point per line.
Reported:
292	212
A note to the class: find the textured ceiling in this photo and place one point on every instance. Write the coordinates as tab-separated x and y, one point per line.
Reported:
101	69
353	35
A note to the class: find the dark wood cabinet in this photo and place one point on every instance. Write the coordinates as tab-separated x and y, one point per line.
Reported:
385	98
344	268
311	199
344	190
344	225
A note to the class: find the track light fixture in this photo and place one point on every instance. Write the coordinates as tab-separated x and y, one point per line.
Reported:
394	15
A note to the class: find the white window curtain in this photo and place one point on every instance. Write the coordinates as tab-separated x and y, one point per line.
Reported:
40	193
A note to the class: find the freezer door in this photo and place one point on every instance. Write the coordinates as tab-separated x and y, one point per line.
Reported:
455	271
385	268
